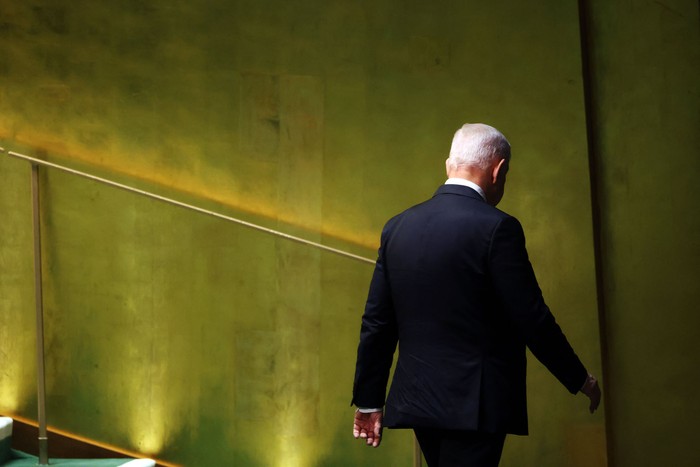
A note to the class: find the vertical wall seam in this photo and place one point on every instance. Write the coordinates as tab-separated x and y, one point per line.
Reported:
594	167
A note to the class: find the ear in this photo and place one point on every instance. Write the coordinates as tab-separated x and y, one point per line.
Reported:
447	166
497	169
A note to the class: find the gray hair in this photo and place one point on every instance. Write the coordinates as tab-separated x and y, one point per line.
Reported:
478	145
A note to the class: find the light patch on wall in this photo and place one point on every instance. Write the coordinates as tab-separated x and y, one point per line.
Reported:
10	393
14	378
17	365
289	454
147	432
295	446
146	411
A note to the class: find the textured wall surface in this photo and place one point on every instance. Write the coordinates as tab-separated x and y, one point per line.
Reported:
202	342
646	65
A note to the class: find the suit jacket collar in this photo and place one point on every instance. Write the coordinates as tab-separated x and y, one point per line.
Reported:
458	190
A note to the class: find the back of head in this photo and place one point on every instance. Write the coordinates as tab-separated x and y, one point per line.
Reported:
478	145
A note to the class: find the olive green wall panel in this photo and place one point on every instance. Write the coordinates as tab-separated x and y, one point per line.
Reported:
175	335
646	65
17	312
181	336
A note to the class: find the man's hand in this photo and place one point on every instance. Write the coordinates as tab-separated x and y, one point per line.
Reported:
592	390
368	426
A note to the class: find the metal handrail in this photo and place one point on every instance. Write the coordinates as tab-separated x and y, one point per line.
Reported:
218	215
43	441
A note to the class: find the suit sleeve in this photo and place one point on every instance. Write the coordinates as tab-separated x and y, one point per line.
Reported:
378	338
521	298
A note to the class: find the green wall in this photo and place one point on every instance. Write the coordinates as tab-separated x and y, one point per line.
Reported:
646	70
201	342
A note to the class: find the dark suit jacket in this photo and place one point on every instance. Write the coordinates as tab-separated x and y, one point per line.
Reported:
454	286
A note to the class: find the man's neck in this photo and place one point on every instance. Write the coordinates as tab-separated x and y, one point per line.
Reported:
467	183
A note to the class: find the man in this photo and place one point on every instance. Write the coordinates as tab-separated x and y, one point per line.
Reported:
453	285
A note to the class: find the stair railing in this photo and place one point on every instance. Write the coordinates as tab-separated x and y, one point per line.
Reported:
38	287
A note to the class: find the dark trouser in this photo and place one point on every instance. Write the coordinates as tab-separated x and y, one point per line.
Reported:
457	448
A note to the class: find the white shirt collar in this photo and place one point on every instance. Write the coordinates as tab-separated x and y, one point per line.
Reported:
465	182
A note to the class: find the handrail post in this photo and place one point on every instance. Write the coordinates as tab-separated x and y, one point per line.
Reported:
39	301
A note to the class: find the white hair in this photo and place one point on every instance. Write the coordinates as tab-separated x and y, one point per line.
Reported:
478	145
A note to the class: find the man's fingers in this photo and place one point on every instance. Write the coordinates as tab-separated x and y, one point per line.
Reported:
592	390
359	432
373	440
595	396
377	435
368	426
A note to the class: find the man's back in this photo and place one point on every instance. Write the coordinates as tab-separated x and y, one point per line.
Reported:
457	351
